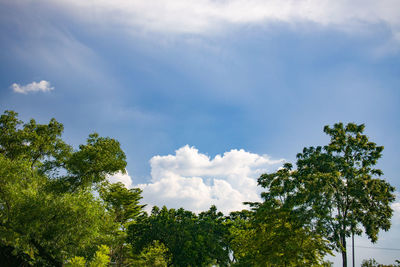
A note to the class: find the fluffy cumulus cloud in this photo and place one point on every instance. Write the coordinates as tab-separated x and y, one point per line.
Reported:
204	16
194	181
42	86
124	178
396	210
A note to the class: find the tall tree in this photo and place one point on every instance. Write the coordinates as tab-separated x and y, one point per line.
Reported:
191	240
242	235
337	187
123	206
281	234
154	255
47	208
214	233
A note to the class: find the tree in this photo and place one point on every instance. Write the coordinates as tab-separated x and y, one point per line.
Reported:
277	234
242	235
191	240
336	188
123	206
271	238
176	229
100	259
374	263
46	226
47	208
154	255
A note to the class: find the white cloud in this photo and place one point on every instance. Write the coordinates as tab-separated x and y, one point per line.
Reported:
124	178
194	181
42	86
396	210
205	16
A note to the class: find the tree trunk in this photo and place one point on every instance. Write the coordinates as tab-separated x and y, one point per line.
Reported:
344	252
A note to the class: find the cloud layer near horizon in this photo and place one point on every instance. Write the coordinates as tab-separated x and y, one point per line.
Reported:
207	16
194	181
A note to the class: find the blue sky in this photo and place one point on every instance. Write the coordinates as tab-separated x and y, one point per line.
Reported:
202	87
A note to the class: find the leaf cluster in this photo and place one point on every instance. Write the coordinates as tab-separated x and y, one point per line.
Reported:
191	240
335	190
48	209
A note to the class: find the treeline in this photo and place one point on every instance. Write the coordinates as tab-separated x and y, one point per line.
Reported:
57	208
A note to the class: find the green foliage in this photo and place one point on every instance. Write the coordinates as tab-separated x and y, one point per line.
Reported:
191	240
288	234
154	255
41	145
374	263
121	202
273	237
76	262
47	208
49	211
101	258
336	188
327	264
242	236
94	161
123	207
214	236
369	263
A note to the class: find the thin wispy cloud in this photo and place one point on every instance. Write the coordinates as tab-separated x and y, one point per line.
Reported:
42	86
205	16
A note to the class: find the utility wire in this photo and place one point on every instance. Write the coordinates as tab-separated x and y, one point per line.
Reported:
397	249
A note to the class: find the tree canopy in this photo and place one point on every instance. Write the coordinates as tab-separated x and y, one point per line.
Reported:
335	189
191	240
48	211
58	209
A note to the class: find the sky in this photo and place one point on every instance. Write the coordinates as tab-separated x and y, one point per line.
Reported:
206	95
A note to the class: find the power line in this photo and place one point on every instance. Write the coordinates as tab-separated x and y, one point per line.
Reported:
397	249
